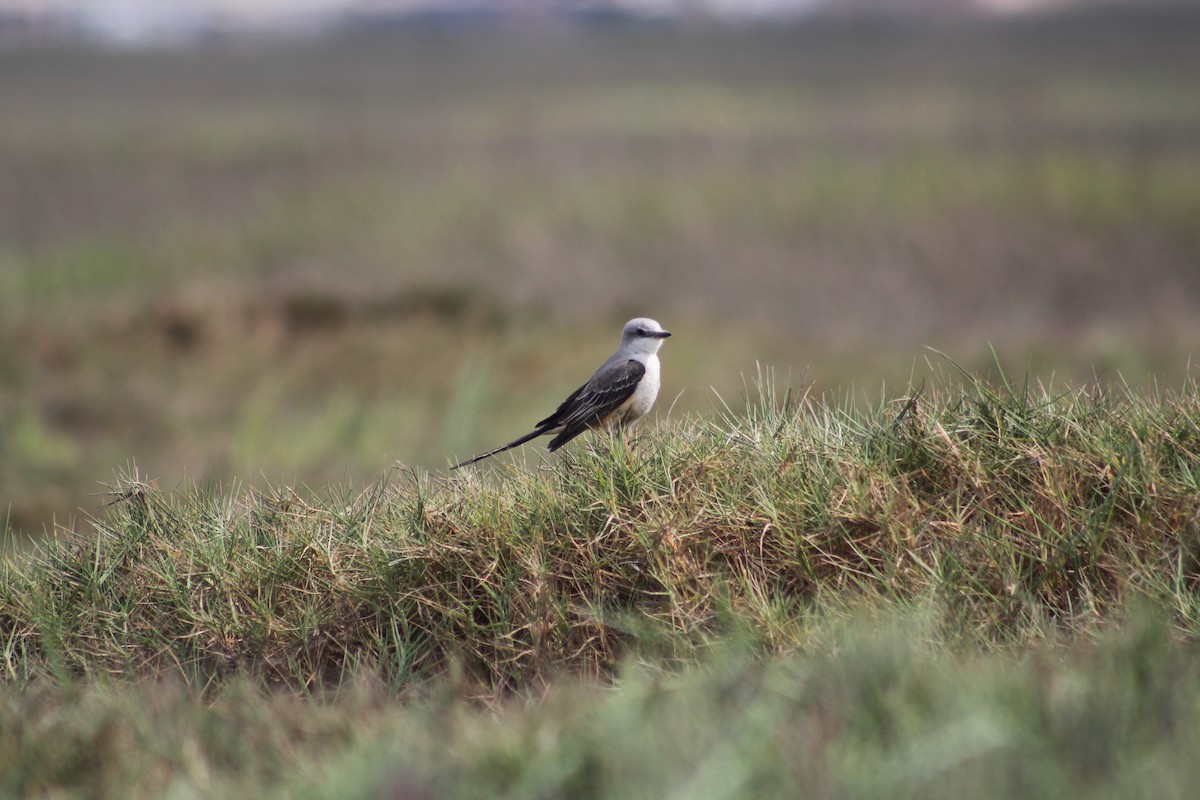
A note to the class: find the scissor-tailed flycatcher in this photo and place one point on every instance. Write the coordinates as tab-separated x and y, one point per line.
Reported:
619	393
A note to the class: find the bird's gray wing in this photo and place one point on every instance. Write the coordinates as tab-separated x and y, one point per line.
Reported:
553	421
591	403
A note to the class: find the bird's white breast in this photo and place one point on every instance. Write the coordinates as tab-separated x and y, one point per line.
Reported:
643	396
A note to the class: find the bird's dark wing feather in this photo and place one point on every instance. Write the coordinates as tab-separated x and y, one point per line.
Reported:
554	420
595	400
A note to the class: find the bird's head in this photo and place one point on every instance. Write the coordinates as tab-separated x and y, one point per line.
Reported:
643	335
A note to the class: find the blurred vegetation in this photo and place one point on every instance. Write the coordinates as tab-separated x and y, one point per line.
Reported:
877	710
305	261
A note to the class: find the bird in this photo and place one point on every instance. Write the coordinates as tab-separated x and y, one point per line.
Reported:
618	394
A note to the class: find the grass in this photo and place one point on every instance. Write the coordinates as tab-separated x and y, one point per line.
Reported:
881	714
875	709
971	589
1022	514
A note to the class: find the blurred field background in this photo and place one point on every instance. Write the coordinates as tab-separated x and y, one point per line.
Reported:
306	261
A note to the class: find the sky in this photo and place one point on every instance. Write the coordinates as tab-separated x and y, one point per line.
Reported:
134	21
264	8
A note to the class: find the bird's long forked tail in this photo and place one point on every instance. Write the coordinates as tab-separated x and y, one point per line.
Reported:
516	443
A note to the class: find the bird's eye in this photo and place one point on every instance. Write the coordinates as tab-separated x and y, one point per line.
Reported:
641	331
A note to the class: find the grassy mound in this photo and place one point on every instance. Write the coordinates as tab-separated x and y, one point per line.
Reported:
1020	514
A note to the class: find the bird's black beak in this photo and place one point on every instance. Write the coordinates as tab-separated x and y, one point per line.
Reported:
661	334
